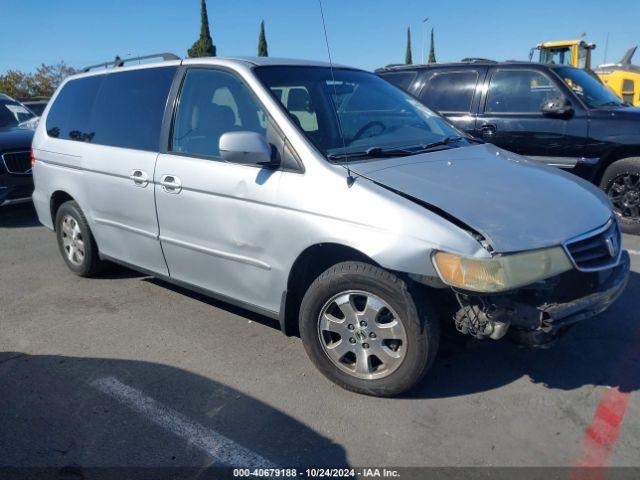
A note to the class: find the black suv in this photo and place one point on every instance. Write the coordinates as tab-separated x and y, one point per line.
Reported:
16	134
554	114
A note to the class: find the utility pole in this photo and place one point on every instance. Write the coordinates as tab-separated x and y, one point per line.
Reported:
424	38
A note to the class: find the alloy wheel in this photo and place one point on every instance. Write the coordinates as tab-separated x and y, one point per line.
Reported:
624	193
72	240
362	335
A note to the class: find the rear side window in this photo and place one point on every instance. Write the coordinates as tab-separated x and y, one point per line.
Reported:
123	109
400	79
69	115
451	91
129	107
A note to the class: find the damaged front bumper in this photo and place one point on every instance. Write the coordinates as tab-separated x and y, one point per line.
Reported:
537	314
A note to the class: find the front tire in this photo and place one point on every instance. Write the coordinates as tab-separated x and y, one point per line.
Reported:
621	182
366	331
75	241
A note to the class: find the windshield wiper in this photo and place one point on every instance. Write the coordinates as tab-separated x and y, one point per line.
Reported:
373	152
440	143
380	152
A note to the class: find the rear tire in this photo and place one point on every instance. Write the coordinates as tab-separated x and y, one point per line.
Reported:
384	335
621	182
75	241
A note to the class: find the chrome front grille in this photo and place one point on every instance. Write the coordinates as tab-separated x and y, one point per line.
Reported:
17	162
596	250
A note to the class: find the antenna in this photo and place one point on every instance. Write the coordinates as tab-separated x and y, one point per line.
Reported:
350	179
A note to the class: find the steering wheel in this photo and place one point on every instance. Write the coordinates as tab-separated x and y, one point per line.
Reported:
368	126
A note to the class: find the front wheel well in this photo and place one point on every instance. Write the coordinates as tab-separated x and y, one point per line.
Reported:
57	199
612	157
308	266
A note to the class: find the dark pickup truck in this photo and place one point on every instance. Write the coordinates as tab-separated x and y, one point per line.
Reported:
555	114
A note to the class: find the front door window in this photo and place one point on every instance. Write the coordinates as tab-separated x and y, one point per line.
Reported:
212	103
519	91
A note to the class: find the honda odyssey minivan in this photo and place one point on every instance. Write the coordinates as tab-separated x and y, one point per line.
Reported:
326	198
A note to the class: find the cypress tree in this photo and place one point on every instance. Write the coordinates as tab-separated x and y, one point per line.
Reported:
407	56
262	42
203	47
432	50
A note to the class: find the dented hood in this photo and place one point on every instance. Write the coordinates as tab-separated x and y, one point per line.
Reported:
516	203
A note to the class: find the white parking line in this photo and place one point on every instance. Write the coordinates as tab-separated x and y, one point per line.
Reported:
219	447
633	252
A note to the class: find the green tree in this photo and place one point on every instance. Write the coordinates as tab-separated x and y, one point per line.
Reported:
408	59
16	84
41	83
203	47
432	50
262	42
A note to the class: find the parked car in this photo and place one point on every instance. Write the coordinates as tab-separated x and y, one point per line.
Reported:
361	227
16	183
36	104
553	114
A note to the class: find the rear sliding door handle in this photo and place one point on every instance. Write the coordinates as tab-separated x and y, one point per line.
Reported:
139	178
171	184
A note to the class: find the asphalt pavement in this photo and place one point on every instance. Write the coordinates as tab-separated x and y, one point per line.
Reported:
126	370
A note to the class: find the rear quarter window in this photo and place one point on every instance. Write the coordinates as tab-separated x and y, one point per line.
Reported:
69	115
123	109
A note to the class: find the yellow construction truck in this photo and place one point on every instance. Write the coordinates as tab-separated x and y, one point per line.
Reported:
623	78
576	53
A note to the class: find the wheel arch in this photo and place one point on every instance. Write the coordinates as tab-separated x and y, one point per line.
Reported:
309	264
618	153
55	201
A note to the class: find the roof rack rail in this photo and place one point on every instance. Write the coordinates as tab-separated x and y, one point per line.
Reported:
119	62
477	60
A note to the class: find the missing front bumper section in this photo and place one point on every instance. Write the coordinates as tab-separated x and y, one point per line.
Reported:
538	314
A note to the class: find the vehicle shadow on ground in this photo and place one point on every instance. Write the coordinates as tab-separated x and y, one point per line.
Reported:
75	412
20	215
114	271
603	351
594	352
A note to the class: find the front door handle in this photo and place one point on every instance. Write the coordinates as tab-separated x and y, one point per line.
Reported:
488	130
139	178
171	184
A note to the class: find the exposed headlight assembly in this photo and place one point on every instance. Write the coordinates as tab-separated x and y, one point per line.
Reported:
502	272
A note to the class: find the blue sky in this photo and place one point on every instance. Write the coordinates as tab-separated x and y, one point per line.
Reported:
362	33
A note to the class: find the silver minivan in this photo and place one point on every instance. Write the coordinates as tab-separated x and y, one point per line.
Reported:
326	198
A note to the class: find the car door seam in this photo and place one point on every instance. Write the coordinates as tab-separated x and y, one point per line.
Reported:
155	206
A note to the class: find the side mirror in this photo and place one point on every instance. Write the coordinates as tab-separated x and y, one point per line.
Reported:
248	148
557	107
